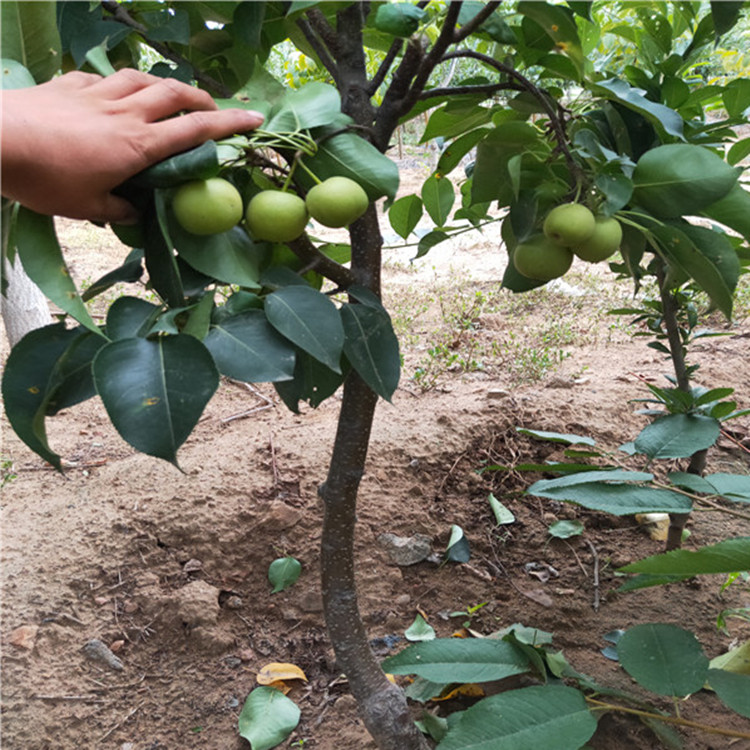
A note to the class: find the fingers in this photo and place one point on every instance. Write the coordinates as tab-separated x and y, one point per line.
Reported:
124	83
167	97
113	209
187	131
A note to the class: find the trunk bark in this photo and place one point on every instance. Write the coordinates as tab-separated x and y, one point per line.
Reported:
24	307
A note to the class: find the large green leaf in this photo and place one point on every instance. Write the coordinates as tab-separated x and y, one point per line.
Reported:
198	163
155	390
15	75
42	259
710	264
679	179
663	658
543	716
30	37
313	382
559	24
246	347
161	263
459	660
733	689
728	556
657	114
267	718
725	15
29	382
130	271
617	499
677	436
129	317
310	320
733	210
455	118
313	105
734	487
231	257
350	155
371	347
438	197
404	214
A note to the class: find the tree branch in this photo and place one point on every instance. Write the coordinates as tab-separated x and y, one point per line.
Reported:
471	26
320	50
316	261
323	29
120	15
556	121
382	71
487	89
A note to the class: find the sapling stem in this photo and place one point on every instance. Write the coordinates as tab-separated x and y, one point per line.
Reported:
309	171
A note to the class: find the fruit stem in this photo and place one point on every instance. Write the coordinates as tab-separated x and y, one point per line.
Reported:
298	160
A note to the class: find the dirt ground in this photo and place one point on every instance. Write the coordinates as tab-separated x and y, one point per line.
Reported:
169	569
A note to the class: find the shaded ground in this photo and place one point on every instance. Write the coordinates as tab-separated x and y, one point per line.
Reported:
170	569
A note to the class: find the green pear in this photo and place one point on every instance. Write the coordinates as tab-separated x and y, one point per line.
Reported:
542	259
569	224
604	241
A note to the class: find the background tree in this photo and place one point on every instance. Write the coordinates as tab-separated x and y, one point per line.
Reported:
546	108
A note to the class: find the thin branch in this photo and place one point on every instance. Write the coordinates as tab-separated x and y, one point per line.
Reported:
540	95
385	66
487	89
304	249
328	62
120	15
471	26
324	30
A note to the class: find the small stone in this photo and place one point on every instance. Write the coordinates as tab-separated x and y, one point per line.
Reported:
246	654
233	662
116	646
127	746
402	600
23	637
97	651
192	566
405	551
100	601
233	602
130	607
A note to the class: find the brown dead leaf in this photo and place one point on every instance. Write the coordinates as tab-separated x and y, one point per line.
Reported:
23	637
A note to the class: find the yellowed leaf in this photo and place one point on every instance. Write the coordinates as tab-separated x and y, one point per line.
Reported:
470	690
277	671
736	660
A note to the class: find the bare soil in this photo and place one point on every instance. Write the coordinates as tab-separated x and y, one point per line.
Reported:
168	569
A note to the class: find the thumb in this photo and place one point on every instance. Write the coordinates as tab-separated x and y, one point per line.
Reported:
116	211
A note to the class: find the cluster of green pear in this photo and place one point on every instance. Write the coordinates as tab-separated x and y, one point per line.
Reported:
569	229
214	205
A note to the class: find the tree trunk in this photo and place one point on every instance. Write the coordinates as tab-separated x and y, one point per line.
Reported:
24	307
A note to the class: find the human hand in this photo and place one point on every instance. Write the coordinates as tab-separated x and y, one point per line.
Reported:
67	143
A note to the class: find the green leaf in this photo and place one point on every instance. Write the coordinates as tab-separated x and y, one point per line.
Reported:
15	75
677	436
371	347
129	317
129	272
451	156
350	155
565	529
728	556
420	630
456	117
681	179
559	24
161	263
617	499
404	215
398	19
28	384
665	659
544	716
494	27
457	549
230	257
283	573
155	391
311	106
739	151
734	487
313	382
733	689
733	210
310	320
429	240
246	347
502	514
267	718
200	163
725	15
438	197
30	37
657	114
557	437
459	660
42	259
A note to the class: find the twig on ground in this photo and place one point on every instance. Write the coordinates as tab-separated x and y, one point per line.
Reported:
85	698
267	403
120	723
595	555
